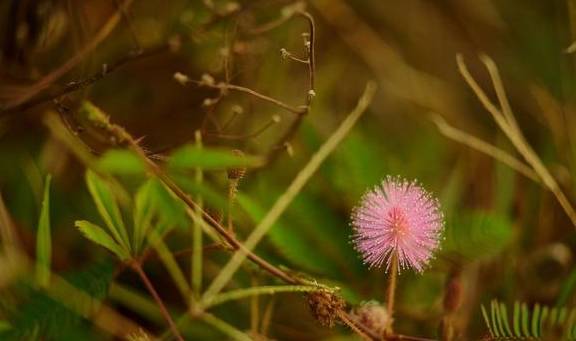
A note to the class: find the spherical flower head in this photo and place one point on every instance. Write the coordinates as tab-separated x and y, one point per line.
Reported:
397	217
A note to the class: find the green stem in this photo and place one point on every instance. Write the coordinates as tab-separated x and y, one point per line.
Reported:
225	327
254	310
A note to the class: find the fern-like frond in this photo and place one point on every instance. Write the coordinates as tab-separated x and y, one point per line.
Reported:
536	323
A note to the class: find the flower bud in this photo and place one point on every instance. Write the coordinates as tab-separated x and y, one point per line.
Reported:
373	315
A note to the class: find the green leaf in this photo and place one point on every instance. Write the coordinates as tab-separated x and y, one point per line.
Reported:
108	208
496	319
143	213
121	162
487	320
527	324
536	321
504	314
43	239
517	318
99	236
191	157
525	319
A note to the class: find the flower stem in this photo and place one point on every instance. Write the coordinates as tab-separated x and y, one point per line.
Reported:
138	268
392	289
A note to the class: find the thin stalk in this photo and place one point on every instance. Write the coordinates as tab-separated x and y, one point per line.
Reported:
197	246
267	317
391	292
254	310
225	86
138	268
256	291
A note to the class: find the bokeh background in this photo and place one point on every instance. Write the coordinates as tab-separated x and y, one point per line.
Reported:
506	236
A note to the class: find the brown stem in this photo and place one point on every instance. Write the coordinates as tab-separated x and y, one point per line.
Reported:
138	268
311	54
390	295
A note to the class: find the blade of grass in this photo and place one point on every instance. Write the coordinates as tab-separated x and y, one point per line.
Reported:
483	147
225	328
44	239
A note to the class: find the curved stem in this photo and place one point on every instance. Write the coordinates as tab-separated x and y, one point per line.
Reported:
138	268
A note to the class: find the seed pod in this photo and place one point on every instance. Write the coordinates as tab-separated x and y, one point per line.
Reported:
325	305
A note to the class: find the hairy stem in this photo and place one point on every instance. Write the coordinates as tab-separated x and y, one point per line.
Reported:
348	321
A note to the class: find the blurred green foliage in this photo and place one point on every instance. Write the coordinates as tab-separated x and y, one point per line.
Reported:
505	237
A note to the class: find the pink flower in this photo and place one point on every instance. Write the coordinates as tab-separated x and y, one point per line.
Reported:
397	217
